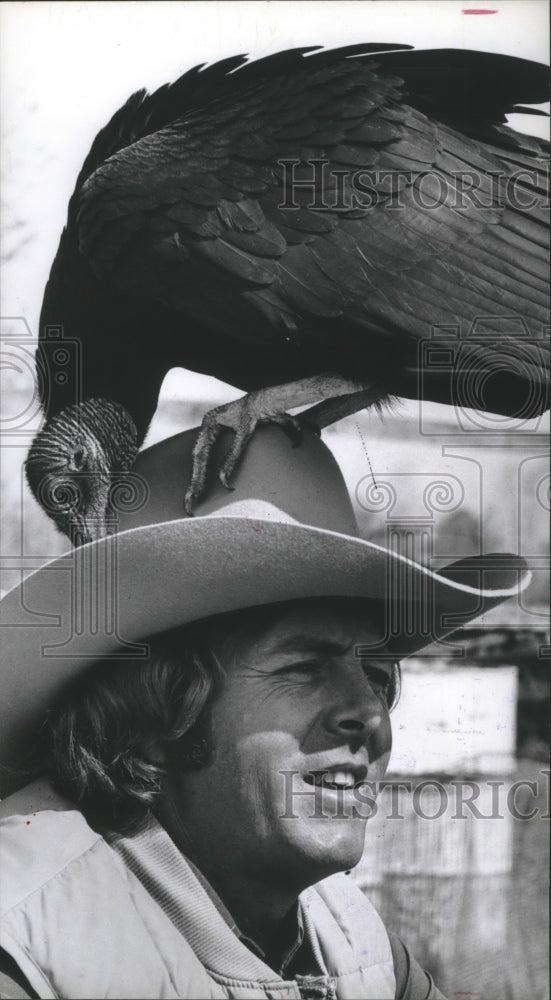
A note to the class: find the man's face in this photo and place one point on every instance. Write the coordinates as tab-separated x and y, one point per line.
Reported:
297	703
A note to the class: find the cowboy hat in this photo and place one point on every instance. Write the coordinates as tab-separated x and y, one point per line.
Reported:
287	531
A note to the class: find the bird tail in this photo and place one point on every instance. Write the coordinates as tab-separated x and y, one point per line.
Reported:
509	377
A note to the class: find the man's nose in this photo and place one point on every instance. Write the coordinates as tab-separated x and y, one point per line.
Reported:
355	708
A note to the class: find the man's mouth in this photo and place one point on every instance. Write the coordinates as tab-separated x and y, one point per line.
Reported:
338	778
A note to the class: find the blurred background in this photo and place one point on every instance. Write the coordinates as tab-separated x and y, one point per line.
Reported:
468	895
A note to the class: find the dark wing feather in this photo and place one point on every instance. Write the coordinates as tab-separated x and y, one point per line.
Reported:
469	90
145	113
189	209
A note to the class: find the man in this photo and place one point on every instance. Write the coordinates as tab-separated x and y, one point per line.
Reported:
207	791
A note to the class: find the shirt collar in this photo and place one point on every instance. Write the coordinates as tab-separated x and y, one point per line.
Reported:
296	918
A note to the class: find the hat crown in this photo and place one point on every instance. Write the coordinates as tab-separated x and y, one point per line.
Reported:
275	481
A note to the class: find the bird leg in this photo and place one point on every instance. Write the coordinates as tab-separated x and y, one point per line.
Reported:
263	406
331	410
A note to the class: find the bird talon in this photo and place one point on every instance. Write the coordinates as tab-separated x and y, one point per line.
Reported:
223	477
290	425
189	499
242	418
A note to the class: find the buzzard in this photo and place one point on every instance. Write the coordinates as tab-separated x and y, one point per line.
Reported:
301	227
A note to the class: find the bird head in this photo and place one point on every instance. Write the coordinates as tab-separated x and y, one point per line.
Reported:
74	462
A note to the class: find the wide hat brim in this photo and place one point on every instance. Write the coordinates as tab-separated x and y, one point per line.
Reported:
242	550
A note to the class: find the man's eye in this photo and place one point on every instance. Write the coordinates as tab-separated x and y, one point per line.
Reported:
306	667
378	678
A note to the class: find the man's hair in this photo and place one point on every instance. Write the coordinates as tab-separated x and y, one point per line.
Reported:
125	723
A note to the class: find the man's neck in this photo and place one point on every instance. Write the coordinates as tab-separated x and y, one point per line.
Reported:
260	912
263	910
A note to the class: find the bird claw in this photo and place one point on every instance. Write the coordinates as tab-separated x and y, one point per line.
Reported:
223	477
242	417
292	426
202	448
189	501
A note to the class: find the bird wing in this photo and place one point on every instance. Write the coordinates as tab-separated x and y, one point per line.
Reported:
395	222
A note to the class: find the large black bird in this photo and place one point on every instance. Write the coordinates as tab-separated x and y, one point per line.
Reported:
299	227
